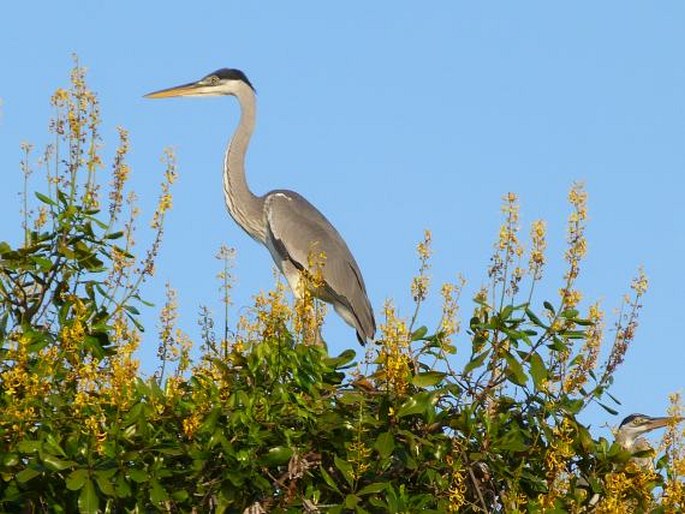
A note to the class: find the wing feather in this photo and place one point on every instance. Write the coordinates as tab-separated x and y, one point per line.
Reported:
295	229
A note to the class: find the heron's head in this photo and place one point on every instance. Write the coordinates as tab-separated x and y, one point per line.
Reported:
637	424
225	81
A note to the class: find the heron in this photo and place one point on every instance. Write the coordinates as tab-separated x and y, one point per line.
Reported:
629	432
290	227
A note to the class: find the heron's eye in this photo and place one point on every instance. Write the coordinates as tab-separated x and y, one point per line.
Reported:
213	80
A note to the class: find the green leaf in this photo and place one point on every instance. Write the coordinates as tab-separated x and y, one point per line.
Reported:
28	446
515	370
506	312
180	495
345	468
385	444
428	378
157	493
42	263
417	404
608	409
548	306
45	199
570	314
104	483
513	441
276	456
538	371
344	358
56	464
53	445
77	479
26	474
138	475
557	345
10	460
533	317
475	362
122	489
374	488
132	309
613	398
329	479
419	333
88	499
351	500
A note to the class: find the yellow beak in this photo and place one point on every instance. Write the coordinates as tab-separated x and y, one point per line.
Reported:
183	90
661	422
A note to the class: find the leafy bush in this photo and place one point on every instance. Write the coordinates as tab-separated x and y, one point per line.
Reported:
265	420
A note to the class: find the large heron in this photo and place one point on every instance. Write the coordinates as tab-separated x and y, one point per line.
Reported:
288	225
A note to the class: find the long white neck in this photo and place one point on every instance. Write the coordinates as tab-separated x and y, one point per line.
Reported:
245	208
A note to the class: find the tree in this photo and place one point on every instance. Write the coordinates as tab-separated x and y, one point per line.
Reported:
266	420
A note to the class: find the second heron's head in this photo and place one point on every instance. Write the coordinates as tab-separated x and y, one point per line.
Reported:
225	81
636	425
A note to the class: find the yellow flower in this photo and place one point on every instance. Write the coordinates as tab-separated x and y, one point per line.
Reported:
421	282
577	244
536	261
640	283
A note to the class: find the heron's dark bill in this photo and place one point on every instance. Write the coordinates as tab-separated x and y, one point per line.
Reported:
191	88
658	422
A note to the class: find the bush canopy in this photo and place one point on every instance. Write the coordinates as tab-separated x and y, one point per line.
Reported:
259	418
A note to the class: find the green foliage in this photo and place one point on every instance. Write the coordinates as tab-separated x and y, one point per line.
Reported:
264	422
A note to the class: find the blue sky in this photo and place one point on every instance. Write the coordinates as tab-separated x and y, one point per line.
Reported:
391	117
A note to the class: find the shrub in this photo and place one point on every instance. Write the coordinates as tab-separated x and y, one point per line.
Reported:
267	421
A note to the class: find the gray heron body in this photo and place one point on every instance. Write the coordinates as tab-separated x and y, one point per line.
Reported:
289	226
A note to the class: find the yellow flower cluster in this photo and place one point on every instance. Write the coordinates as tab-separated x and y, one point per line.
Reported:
640	284
77	120
23	384
449	323
358	456
570	298
421	282
559	451
627	323
628	490
73	332
394	356
123	366
174	344
673	445
272	313
309	312
41	219
120	174
226	255
165	199
456	492
538	236
508	233
577	244
589	354
191	424
504	269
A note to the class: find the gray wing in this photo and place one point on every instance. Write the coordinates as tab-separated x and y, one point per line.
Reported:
294	226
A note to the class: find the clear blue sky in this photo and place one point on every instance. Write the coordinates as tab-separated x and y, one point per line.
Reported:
391	117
